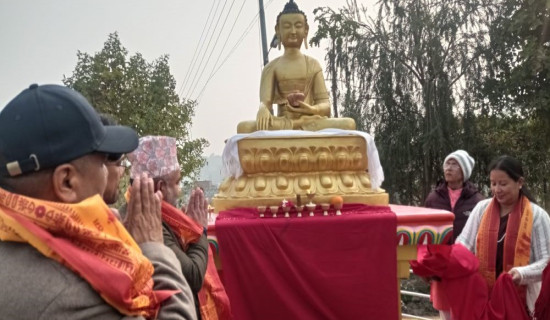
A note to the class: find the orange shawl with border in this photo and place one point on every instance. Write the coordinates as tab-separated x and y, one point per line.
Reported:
517	242
87	238
213	300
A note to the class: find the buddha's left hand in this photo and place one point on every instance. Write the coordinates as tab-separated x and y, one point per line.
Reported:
295	98
305	108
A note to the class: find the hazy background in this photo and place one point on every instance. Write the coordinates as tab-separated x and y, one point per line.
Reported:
39	41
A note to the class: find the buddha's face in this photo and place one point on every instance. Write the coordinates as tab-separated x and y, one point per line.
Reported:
292	29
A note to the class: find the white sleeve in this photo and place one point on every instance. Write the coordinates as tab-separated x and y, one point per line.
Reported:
540	247
469	234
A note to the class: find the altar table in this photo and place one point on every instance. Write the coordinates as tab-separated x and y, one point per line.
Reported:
322	267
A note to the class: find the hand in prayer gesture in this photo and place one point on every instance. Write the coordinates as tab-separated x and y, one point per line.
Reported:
197	207
143	220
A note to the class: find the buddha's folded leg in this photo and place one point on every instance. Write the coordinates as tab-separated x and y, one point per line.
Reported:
277	123
325	123
281	123
246	127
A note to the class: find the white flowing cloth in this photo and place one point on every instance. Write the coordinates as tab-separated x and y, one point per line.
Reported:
232	166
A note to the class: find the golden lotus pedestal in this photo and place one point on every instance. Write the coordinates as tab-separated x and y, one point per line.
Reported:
282	167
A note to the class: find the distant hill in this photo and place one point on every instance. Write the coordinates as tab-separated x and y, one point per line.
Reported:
212	170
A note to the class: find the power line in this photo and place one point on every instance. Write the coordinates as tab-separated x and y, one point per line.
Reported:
197	49
241	38
221	51
214	47
205	51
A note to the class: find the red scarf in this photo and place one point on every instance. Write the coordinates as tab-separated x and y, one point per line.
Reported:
213	300
517	242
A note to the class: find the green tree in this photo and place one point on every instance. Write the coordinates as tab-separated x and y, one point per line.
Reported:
406	76
519	59
516	85
139	94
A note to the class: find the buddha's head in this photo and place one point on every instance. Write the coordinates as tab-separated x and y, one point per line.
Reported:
291	28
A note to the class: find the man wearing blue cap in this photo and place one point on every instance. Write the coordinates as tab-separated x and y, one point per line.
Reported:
63	253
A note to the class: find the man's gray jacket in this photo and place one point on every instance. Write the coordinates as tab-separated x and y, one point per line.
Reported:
33	286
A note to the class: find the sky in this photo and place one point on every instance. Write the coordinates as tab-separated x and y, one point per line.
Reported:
39	41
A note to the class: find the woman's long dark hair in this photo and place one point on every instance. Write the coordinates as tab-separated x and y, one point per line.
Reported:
514	170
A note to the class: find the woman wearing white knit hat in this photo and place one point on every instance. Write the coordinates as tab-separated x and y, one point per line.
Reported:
457	194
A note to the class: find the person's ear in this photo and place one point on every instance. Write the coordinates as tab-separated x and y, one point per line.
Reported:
65	183
520	182
161	186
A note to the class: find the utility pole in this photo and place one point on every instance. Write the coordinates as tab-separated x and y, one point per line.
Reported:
262	30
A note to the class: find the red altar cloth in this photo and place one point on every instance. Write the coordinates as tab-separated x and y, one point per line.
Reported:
335	267
465	289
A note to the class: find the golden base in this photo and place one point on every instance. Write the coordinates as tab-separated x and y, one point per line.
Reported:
375	199
279	168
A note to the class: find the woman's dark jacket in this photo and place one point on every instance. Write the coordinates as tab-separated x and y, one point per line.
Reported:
439	199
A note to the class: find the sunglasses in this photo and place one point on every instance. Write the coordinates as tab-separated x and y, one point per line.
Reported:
117	159
114	157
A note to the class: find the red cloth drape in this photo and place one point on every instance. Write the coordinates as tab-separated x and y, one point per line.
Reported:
542	306
213	300
335	267
465	289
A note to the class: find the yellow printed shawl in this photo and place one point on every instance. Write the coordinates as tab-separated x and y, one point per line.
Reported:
87	238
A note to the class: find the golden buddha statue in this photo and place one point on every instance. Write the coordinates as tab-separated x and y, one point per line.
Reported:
295	83
267	168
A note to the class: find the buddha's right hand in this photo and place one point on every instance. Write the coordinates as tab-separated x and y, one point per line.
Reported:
264	118
143	219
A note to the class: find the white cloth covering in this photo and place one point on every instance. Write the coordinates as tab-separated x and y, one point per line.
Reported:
232	166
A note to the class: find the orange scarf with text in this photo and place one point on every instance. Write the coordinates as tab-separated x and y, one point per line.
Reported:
213	300
517	241
88	239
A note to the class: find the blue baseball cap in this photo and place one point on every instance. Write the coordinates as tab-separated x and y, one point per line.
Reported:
48	125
